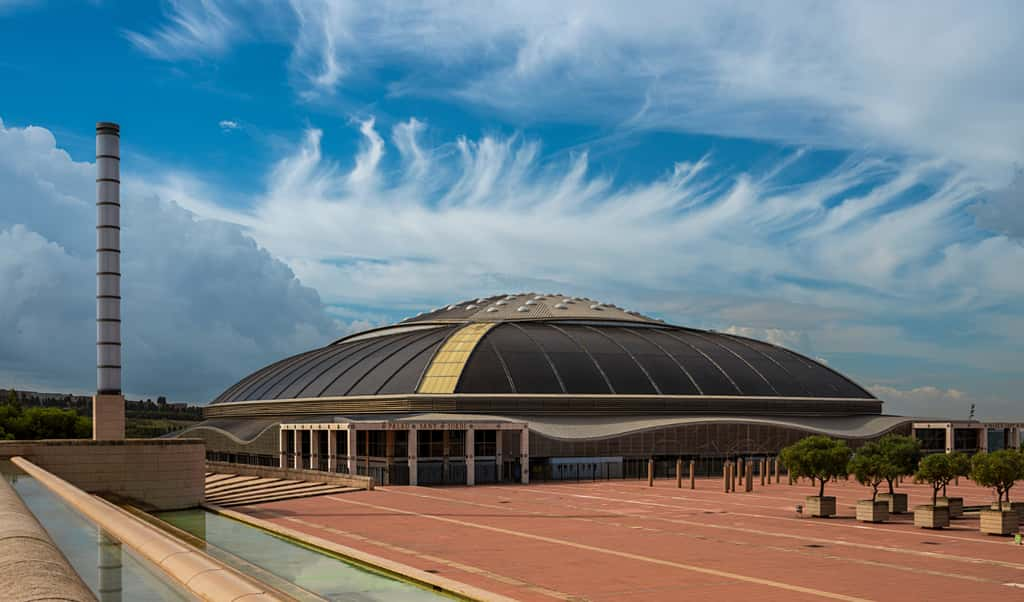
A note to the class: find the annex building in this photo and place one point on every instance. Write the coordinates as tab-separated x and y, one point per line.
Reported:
514	387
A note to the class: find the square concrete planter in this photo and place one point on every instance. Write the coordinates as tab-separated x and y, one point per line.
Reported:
897	502
955	505
872	512
821	507
995	522
931	517
1017	507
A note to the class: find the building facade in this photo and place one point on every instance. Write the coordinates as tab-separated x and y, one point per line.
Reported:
514	387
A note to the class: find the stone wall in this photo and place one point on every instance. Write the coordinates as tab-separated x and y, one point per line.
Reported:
155	474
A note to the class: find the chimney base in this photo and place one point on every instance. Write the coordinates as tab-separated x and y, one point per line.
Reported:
107	417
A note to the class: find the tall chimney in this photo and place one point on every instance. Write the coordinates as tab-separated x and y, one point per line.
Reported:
108	403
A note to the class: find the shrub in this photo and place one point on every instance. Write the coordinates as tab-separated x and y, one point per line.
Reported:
817	457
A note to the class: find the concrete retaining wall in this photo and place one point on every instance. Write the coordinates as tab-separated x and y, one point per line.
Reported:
32	567
155	474
331	478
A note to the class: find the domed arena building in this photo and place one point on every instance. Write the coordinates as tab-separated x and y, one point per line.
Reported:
513	387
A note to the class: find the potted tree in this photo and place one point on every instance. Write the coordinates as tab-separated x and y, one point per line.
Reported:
998	470
869	467
961	465
937	470
821	458
902	454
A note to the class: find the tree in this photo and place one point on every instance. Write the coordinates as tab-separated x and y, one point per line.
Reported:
998	470
817	457
961	464
902	455
12	399
870	467
937	470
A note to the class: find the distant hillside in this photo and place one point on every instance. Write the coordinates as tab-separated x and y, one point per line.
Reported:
140	409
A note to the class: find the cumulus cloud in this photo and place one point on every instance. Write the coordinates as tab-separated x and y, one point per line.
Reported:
204	304
927	402
849	74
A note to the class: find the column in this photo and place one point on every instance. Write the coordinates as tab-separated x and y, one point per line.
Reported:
389	455
413	464
470	457
524	455
282	446
351	459
499	465
445	438
983	439
332	451
314	449
297	463
949	438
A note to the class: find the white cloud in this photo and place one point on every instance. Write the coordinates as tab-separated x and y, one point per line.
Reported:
227	125
844	264
1003	209
937	79
927	402
847	263
203	304
194	28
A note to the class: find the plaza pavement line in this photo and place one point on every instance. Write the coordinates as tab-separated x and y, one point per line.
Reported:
861	561
648	559
402	571
853	544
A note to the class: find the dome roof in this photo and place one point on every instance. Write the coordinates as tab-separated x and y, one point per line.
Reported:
547	346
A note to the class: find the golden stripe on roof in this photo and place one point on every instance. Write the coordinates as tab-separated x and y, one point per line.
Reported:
445	369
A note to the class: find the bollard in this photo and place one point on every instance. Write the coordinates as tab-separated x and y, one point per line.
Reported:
693	474
749	486
650	472
725	476
776	471
764	469
739	467
679	473
733	475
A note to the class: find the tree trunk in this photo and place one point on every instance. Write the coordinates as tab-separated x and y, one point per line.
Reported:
821	491
891	490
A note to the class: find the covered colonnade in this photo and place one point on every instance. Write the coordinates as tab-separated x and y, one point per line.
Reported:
410	451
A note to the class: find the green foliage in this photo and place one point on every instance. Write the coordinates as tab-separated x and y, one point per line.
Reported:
12	399
937	470
902	455
998	470
870	467
42	423
817	457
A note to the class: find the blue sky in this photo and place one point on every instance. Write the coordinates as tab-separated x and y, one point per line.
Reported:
838	179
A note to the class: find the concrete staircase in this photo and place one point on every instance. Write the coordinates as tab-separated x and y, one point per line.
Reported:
223	489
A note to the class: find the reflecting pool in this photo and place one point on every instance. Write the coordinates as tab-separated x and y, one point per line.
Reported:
112	571
319	574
